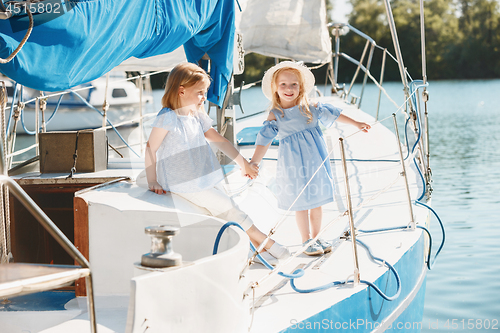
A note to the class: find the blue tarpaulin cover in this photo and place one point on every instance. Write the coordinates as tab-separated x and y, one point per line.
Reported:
91	37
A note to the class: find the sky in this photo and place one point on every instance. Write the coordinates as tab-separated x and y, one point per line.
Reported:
340	10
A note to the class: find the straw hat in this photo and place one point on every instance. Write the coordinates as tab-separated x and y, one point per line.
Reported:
307	75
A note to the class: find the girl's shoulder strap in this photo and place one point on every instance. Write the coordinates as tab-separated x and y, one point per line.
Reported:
164	111
166	119
273	112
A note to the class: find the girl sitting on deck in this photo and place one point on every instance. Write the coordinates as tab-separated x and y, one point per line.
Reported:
179	159
302	148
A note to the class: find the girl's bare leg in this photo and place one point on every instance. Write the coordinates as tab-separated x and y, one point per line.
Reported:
302	219
257	237
315	220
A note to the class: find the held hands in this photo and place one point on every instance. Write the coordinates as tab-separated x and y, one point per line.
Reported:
250	170
155	187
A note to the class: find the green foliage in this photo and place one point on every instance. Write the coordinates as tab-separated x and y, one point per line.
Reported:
462	38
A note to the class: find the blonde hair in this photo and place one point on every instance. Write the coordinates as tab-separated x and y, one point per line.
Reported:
187	75
302	100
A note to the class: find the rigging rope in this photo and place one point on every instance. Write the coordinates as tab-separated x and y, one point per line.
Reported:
5	238
26	36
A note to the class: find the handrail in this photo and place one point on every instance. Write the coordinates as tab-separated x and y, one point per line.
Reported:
52	229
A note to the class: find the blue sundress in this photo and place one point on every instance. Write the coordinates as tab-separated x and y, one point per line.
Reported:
185	163
301	152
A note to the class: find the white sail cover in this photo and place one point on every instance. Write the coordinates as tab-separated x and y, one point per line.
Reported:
293	29
156	63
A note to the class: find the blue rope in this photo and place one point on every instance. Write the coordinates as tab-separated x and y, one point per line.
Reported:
320	288
219	235
336	283
27	131
55	110
398	279
300	272
429	264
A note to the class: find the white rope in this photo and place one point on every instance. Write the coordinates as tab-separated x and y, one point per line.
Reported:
3	231
105	104
26	36
4	222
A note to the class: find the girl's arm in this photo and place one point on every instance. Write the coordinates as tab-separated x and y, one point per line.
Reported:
260	151
155	139
227	148
358	124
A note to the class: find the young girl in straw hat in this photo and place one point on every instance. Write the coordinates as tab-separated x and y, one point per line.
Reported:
302	148
178	158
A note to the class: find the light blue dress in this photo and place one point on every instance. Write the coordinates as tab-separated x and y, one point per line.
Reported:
185	163
301	152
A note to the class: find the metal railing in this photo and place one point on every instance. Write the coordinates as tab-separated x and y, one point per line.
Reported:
55	232
413	104
51	228
17	110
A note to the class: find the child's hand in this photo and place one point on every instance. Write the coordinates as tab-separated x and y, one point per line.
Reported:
363	126
251	170
155	187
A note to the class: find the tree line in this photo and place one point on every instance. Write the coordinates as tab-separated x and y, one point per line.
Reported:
462	40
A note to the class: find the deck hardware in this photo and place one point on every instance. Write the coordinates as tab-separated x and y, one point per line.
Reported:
324	258
162	253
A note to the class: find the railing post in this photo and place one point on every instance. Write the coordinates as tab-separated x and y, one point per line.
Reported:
382	71
337	55
37	121
410	207
141	88
91	303
365	78
349	210
359	67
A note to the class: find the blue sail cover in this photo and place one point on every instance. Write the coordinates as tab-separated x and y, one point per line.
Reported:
92	37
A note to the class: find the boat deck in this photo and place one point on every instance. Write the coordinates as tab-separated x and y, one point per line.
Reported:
379	201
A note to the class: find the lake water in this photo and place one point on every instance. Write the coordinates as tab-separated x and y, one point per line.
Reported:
463	288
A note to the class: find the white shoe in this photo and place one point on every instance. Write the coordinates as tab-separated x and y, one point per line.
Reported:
279	251
267	257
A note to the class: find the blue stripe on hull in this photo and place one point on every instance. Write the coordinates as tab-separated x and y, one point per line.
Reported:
410	321
366	310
